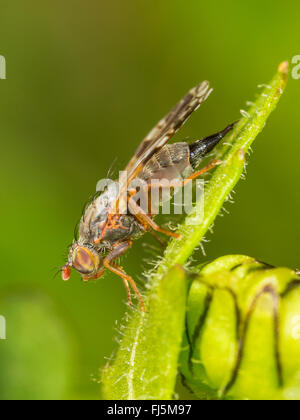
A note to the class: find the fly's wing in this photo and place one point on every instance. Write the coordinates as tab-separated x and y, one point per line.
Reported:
161	134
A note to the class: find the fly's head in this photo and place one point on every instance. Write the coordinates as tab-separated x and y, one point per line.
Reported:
85	259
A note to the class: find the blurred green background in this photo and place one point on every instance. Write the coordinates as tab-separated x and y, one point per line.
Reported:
85	82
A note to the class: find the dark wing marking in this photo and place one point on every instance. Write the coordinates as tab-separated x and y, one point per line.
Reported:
163	131
169	125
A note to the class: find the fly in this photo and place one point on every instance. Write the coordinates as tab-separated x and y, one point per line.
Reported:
106	231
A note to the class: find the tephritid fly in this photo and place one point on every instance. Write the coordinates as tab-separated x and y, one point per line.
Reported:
106	231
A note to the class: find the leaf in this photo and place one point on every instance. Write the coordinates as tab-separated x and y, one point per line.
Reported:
146	362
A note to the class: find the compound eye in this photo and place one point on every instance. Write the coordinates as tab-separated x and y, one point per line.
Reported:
83	261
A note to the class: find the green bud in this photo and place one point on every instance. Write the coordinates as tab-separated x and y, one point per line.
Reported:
243	331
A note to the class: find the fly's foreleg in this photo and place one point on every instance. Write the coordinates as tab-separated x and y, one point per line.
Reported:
96	277
108	263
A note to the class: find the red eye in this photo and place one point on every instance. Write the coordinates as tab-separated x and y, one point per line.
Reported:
66	272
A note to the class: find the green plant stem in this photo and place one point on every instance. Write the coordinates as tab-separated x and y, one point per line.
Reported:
146	363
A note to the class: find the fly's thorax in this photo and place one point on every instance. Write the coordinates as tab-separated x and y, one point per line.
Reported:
123	227
95	215
85	259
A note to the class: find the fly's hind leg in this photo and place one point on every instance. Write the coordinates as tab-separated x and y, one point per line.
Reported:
202	171
178	184
146	219
108	263
158	239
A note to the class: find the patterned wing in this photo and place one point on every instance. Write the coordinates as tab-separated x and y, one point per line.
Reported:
162	133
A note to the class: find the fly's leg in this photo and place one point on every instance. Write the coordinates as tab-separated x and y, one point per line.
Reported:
202	171
195	175
112	222
126	284
126	278
97	276
158	239
146	220
119	250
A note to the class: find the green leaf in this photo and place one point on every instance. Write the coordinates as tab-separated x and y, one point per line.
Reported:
243	342
146	362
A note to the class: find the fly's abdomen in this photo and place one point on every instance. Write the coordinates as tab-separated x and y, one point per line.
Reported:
200	148
178	160
166	168
170	163
174	162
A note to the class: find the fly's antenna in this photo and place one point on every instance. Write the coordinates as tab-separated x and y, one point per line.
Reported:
58	270
55	268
